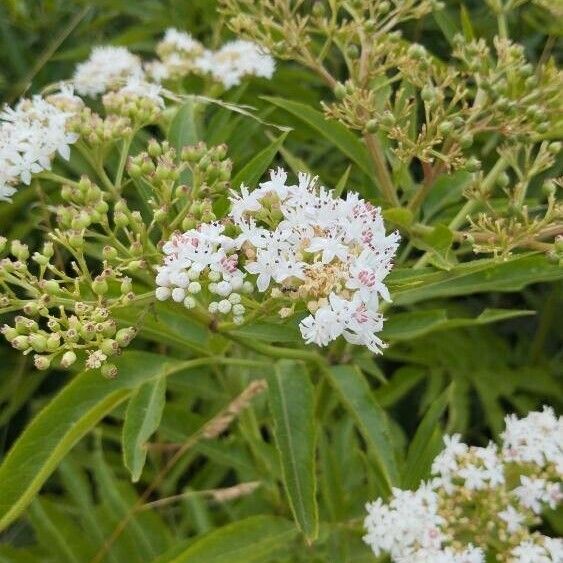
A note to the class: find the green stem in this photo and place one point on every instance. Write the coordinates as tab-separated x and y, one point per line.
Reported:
381	170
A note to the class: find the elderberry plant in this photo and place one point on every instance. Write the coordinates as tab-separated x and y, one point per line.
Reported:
314	250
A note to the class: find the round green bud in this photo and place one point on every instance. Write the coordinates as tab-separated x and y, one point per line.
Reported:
126	286
109	347
42	362
473	164
51	287
124	336
110	253
353	51
38	342
503	179
388	119
466	140
109	371
372	126
339	91
428	94
543	127
68	359
554	148
417	51
445	128
9	333
31	308
100	286
318	9
20	342
549	188
154	148
53	342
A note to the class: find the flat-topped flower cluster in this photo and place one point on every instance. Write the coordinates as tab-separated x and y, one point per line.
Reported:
297	243
490	494
30	136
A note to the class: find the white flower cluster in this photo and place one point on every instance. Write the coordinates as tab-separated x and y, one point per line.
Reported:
409	528
303	245
180	54
534	439
31	134
235	60
425	525
107	68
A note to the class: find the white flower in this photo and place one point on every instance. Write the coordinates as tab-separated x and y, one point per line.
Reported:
531	493
31	135
536	438
539	550
235	60
180	41
139	88
106	68
513	519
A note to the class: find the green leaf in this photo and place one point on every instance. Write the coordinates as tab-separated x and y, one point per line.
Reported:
251	173
66	419
341	184
252	539
426	443
399	216
438	243
406	326
142	419
410	286
466	24
331	130
292	405
370	418
183	127
270	332
446	24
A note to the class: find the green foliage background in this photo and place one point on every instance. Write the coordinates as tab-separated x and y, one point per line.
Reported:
467	346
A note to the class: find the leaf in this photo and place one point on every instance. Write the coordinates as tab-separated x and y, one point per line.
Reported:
270	332
292	405
399	216
410	286
446	190
446	24
424	446
251	173
406	326
252	539
341	184
370	418
466	24
66	419
183	127
331	130
438	243
142	419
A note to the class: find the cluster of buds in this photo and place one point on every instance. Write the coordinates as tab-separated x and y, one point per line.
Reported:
86	205
96	130
38	286
160	168
494	496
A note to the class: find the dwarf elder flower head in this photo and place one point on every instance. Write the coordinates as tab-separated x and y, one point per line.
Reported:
106	68
300	245
478	493
31	134
235	60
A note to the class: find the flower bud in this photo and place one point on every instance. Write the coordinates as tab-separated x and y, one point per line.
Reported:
51	287
473	164
109	371
554	148
68	359
9	332
38	342
372	126
445	128
20	342
339	91
466	140
124	336
42	362
109	347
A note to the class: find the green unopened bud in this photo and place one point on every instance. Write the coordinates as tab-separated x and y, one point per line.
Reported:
124	336
109	371
76	239
40	259
31	308
160	215
100	286
466	140
154	148
51	287
372	126
38	342
473	164
318	9
136	265
120	219
417	51
20	342
42	362
53	342
554	148
388	119
109	253
353	51
428	94
445	128
109	347
339	91
549	188
20	250
68	359
9	333
503	179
